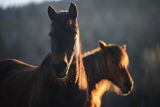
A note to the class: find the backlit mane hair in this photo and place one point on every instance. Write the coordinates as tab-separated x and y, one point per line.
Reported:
88	53
81	77
99	62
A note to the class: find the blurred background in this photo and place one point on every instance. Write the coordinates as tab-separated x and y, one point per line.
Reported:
24	28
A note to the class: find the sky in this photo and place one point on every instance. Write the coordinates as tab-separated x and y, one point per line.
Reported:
8	3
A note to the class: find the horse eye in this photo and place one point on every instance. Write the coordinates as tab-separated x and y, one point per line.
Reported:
69	22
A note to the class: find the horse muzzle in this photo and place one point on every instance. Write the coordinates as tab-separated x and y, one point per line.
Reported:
127	87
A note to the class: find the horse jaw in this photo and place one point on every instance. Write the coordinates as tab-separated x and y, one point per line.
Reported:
116	89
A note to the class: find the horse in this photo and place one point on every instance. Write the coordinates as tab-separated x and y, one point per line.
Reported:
77	80
25	85
107	69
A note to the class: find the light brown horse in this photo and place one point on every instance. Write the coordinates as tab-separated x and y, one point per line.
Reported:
107	68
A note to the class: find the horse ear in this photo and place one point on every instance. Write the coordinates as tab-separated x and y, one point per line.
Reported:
102	44
73	11
51	12
124	46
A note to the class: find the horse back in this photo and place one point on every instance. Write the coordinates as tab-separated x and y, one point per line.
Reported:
9	66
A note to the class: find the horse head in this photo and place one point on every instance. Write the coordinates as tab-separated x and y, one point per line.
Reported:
116	62
64	32
64	29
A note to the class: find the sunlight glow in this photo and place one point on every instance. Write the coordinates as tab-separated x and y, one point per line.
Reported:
14	3
100	88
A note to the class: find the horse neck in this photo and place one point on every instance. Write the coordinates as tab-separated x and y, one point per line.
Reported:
94	66
47	65
76	73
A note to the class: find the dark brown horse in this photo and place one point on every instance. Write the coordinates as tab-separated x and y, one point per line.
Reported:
63	34
76	81
107	68
24	85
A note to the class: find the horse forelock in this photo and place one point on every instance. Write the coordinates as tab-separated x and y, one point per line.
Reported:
117	55
124	58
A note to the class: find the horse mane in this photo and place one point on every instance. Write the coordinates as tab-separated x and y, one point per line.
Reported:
88	53
98	49
96	60
81	77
